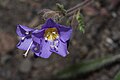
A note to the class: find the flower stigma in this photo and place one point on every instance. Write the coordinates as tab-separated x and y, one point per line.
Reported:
51	34
25	54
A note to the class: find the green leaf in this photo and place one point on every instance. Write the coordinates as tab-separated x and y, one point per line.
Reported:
61	8
80	19
117	76
86	66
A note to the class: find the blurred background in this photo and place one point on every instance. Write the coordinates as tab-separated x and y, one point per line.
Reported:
101	39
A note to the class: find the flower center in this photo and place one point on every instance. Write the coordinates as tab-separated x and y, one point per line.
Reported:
51	34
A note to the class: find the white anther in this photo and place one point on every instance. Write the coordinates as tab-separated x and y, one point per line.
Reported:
56	47
52	46
54	32
47	35
57	37
26	32
56	42
22	38
28	49
46	38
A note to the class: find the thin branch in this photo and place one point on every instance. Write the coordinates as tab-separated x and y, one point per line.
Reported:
71	11
78	6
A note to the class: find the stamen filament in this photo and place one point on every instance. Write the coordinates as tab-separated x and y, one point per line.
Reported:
25	54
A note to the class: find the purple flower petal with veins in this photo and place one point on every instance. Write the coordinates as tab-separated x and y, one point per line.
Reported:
25	34
52	37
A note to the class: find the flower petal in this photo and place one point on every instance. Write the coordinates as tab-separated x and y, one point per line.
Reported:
65	32
37	54
62	48
37	35
49	24
24	44
45	50
36	49
22	29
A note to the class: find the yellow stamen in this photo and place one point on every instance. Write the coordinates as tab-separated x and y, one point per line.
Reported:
51	34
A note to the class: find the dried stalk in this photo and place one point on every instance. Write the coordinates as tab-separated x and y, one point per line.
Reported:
72	10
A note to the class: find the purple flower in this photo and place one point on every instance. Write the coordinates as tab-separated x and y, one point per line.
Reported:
52	37
25	34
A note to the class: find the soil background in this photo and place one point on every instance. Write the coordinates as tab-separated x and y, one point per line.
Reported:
101	38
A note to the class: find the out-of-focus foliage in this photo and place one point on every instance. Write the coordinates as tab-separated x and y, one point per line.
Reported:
117	76
87	66
61	8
